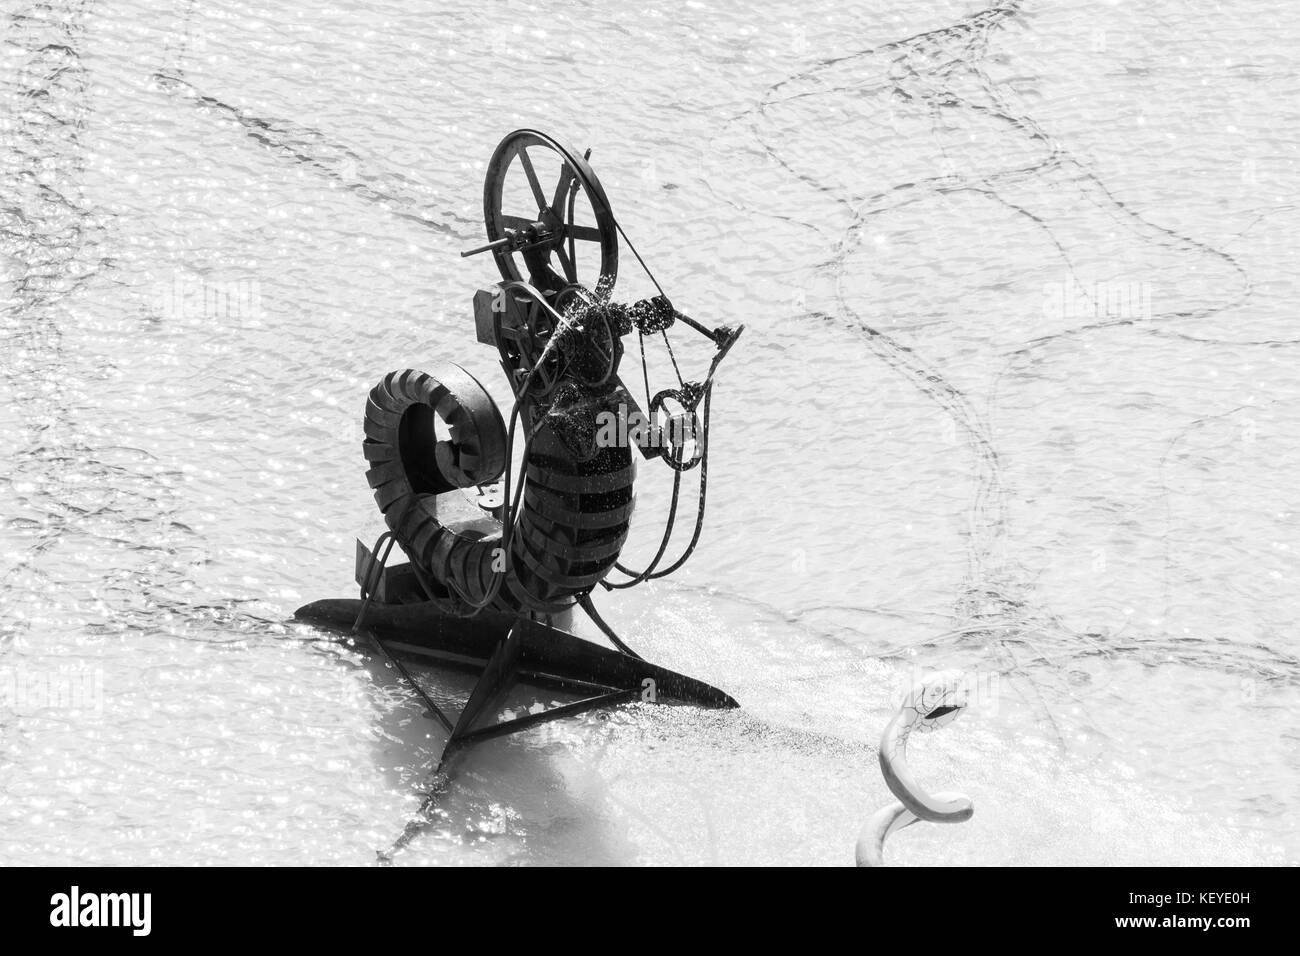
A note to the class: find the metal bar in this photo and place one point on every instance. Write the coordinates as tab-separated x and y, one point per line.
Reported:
554	713
401	669
466	662
532	179
697	326
570	272
570	685
494	244
568	176
496	675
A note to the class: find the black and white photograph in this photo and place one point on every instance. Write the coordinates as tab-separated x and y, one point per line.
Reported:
575	434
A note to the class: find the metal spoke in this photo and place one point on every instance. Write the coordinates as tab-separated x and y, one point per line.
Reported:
532	179
568	223
516	222
568	179
569	272
585	233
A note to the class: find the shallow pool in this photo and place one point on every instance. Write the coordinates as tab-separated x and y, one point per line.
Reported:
1017	395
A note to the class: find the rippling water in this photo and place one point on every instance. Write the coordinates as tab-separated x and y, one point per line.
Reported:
1017	394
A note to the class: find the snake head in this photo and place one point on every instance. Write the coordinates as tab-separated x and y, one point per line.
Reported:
937	700
933	702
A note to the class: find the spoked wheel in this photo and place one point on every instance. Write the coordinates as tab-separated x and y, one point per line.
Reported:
572	225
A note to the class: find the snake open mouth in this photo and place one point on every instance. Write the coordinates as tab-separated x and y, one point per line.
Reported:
947	689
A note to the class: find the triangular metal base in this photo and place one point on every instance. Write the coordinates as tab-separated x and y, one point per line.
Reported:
496	679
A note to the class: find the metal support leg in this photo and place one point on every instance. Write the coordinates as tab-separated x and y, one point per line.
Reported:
493	683
495	680
553	713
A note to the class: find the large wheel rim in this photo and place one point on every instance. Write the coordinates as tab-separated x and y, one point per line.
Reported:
556	208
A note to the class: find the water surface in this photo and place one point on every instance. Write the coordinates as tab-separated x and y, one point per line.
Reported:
1017	394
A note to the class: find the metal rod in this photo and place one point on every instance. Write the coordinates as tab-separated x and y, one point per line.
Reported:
434	709
494	244
553	713
697	326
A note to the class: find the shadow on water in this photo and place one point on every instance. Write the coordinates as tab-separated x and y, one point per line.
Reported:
503	800
637	783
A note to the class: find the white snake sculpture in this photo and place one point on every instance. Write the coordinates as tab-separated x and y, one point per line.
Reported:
935	701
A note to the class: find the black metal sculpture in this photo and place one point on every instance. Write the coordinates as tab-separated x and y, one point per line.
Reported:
488	579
